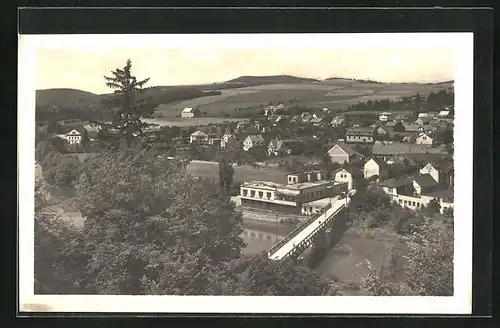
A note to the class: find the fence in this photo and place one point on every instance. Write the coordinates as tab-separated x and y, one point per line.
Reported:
297	230
300	247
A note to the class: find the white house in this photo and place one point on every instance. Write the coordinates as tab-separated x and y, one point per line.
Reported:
423	139
341	153
74	137
376	167
384	117
347	175
198	137
337	121
252	141
444	114
190	112
227	140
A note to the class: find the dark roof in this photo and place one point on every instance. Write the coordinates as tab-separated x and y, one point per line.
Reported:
396	182
361	129
425	180
381	163
399	148
445	194
345	147
445	165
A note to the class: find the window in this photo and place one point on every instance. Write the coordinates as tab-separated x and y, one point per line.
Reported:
252	193
400	201
310	209
268	195
413	203
289	179
245	192
418	204
405	203
261	194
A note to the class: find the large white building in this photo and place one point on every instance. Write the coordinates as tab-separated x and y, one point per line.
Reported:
291	197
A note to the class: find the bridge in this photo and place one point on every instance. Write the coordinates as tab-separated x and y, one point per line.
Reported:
303	236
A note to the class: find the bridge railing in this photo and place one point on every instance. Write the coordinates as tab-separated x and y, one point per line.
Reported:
297	230
306	240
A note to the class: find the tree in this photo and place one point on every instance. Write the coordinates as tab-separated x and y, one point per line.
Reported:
429	264
67	171
55	263
226	172
127	119
43	148
433	207
258	275
399	127
150	228
446	136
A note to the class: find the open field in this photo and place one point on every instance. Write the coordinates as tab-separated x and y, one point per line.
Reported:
362	112
336	94
206	170
185	122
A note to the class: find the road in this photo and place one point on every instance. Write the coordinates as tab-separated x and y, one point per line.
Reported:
336	204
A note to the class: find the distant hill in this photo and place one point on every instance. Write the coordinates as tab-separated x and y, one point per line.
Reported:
332	79
273	79
66	97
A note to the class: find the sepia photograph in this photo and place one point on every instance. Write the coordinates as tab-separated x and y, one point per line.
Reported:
327	173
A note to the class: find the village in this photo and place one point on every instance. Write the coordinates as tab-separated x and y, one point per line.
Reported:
409	158
339	182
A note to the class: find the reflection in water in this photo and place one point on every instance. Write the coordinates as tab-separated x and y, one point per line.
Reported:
258	241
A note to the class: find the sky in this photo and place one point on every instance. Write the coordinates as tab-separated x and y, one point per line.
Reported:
82	65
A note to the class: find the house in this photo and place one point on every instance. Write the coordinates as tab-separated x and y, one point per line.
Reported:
384	117
190	112
76	136
214	140
408	139
198	137
398	186
342	153
316	121
295	196
423	183
444	114
381	131
376	167
412	127
278	147
393	149
253	141
241	126
257	125
423	139
360	135
430	115
400	118
349	175
338	120
228	140
270	110
424	120
307	118
441	171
